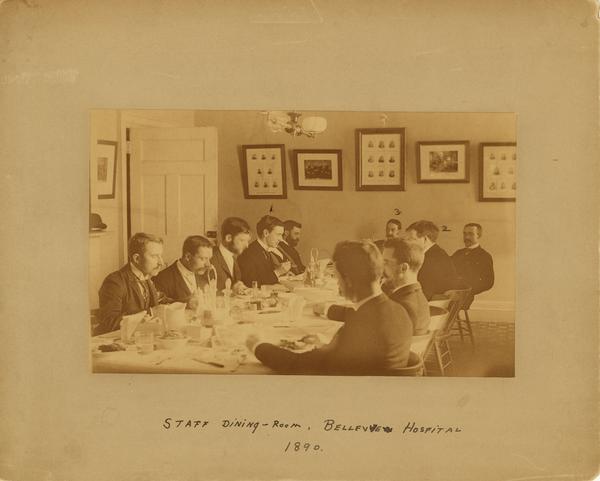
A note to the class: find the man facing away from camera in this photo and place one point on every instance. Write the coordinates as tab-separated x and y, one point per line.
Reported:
375	338
130	289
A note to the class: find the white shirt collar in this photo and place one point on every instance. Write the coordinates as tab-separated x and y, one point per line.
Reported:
185	272
362	302
139	274
403	285
427	248
227	254
267	248
284	241
473	246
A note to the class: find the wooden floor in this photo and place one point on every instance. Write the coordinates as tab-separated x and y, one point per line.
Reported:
492	356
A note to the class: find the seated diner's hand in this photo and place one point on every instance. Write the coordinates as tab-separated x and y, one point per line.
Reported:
239	288
319	308
192	304
283	268
252	341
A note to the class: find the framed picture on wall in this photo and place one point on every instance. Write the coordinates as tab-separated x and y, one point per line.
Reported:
319	169
498	172
380	159
443	161
263	171
106	169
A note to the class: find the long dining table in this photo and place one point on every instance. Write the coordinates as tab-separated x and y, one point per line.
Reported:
221	348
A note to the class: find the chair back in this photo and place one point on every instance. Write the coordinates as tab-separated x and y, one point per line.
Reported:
414	366
438	317
420	344
457	297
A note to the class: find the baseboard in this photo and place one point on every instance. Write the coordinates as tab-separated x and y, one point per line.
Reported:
492	311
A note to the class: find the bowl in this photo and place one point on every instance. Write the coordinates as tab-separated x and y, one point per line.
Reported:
171	344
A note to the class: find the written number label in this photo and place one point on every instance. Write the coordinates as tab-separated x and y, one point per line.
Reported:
299	447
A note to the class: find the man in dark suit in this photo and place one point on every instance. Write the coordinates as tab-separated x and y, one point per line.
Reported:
375	338
437	274
130	289
192	272
474	265
402	260
291	238
235	235
393	230
256	262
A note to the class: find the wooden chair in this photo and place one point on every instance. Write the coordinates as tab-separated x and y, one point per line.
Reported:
440	344
423	344
414	367
464	324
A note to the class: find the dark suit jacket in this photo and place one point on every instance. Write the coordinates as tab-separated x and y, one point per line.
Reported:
120	295
374	340
437	274
294	257
223	273
171	283
475	269
256	265
411	297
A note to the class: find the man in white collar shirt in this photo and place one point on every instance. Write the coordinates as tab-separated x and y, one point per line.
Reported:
193	271
256	262
375	338
235	236
473	264
437	274
130	290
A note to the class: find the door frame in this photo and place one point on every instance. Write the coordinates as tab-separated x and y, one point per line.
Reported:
127	120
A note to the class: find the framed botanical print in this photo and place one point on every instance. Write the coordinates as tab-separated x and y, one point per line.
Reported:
380	159
106	169
319	169
263	171
443	161
498	172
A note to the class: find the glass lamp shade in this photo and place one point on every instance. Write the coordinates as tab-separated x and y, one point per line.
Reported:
314	124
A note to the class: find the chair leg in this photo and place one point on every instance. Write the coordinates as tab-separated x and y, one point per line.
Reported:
469	328
459	325
438	356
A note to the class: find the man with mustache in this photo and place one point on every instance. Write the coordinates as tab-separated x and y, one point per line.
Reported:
192	272
130	289
291	238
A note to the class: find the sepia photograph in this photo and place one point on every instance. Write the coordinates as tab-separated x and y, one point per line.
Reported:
280	240
192	279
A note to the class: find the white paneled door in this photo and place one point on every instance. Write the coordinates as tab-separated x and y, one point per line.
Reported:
173	183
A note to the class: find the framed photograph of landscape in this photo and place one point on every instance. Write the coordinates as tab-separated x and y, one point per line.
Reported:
106	169
317	169
443	161
263	171
380	159
498	172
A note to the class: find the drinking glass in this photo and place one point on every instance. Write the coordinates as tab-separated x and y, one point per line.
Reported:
144	341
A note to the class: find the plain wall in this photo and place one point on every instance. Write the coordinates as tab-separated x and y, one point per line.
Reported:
330	216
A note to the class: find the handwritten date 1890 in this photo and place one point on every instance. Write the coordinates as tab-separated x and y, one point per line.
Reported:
305	448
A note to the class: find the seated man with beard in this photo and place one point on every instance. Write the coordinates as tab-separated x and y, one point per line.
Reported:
130	289
192	272
287	246
374	340
235	236
401	262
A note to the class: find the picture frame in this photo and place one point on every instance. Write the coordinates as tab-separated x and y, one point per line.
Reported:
444	161
105	174
263	171
380	163
497	172
317	169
